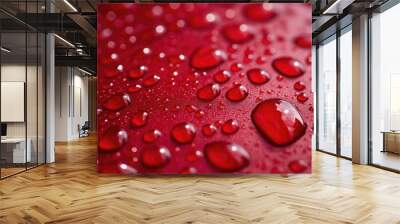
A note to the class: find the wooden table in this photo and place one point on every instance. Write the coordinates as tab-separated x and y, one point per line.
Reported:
391	141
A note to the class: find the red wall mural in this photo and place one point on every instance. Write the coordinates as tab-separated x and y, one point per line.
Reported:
204	88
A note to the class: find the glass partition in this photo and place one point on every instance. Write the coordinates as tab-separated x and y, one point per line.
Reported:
327	95
346	93
385	89
22	78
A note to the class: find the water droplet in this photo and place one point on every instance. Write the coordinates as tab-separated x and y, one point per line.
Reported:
226	157
299	86
199	114
151	81
222	76
209	92
230	126
209	130
113	139
138	72
117	102
237	93
303	41
139	119
202	21
191	108
237	33
258	76
153	156
134	89
207	57
260	12
298	166
189	170
302	97
151	135
183	133
278	121
288	67
235	67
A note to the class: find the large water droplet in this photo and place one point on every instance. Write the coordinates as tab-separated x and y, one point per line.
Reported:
207	57
151	135
258	76
288	67
183	133
209	92
226	157
117	102
139	119
153	156
237	93
278	121
259	12
222	76
138	72
113	139
237	33
230	126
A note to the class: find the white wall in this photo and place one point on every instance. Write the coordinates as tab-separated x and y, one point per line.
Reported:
71	93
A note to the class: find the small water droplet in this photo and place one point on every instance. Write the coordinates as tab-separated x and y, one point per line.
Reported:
222	76
139	119
154	157
260	12
237	33
113	139
302	97
152	135
207	57
138	72
237	93
134	89
258	76
298	166
209	92
117	102
299	86
230	126
303	41
235	67
151	81
183	133
209	130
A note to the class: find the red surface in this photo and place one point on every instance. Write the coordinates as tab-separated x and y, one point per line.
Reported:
178	85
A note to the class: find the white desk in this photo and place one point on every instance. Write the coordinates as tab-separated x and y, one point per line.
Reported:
18	150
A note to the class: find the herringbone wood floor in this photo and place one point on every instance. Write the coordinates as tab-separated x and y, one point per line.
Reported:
70	191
